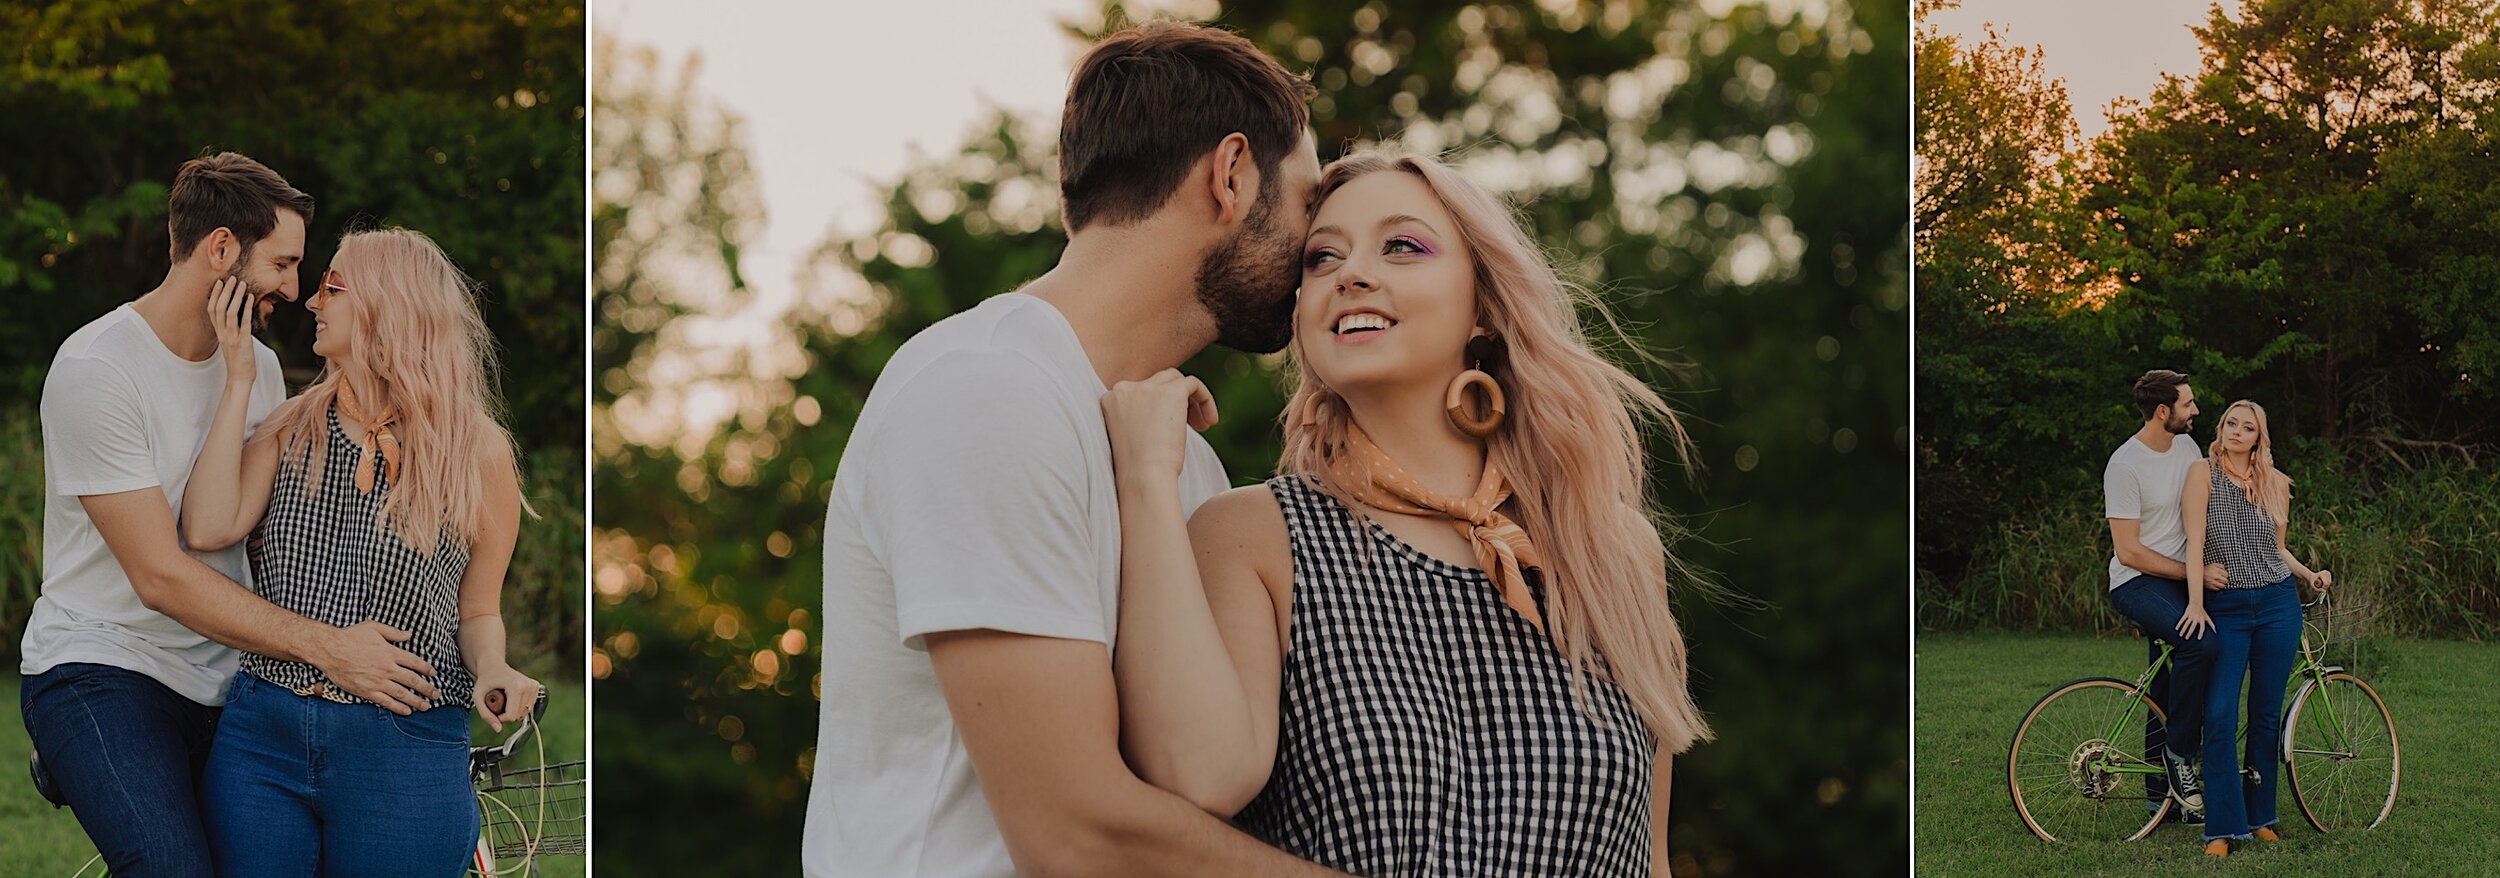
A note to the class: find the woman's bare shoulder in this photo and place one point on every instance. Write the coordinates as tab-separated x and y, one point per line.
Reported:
1243	526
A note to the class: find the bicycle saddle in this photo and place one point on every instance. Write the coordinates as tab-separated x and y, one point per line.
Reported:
44	786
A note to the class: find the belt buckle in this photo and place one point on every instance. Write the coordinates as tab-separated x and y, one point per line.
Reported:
323	690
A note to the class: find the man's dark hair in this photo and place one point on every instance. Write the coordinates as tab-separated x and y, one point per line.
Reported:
231	191
2157	388
1146	103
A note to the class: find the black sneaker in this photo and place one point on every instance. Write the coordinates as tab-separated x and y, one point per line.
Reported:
2184	785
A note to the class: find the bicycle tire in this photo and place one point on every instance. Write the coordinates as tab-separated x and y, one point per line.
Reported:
2334	781
2044	806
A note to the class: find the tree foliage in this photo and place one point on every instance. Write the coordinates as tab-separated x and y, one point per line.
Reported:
2307	220
460	120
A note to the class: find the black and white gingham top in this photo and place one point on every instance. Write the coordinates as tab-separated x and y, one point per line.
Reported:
1428	730
326	558
2240	536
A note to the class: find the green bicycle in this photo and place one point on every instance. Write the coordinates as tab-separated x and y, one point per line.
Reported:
2076	765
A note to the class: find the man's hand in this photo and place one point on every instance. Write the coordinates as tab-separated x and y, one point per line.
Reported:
2216	577
363	661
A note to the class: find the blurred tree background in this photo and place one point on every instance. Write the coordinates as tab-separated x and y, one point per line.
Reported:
1731	172
2310	220
460	120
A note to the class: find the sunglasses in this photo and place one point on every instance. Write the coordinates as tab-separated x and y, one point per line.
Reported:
332	283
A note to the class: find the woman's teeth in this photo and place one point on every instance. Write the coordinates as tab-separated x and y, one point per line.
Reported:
1358	322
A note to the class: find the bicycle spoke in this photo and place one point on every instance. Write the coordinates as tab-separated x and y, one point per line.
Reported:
2343	755
2067	766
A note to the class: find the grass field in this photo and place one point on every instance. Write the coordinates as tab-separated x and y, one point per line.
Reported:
42	842
1972	689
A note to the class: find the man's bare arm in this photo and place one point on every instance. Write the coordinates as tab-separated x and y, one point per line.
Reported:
2126	540
138	526
1041	720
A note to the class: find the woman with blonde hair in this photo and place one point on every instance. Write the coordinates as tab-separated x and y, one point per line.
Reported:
1438	641
386	492
2234	507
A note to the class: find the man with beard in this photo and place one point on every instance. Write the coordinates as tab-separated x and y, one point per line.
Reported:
2148	574
129	648
969	725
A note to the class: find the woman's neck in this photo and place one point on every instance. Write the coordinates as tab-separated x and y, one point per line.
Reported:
2238	464
368	395
1414	429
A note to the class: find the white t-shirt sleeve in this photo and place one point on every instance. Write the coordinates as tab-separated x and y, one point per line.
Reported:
978	506
95	434
2120	493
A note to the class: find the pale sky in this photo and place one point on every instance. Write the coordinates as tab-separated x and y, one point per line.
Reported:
2104	51
836	98
836	94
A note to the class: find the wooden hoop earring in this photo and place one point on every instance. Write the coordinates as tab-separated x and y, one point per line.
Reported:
1463	416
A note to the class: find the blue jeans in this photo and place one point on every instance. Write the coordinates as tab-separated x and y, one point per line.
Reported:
126	752
2155	605
299	786
2256	631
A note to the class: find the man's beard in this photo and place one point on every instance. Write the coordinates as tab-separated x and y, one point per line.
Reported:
263	300
1247	284
2181	426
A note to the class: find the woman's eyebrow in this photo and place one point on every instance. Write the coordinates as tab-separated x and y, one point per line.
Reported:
1395	219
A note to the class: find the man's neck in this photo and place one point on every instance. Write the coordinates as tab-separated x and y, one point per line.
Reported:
177	311
1133	305
2156	436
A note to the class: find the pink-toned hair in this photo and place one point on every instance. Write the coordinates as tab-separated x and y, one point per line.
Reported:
1571	447
2268	488
427	353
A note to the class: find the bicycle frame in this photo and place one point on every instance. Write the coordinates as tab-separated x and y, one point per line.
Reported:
2308	667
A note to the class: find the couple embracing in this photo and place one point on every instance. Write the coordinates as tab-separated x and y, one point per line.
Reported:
264	619
2200	563
1437	642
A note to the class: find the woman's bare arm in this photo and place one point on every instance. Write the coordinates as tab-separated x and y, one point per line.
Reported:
481	630
1201	658
2193	497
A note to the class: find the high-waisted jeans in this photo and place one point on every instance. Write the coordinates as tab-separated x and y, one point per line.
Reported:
2256	632
299	786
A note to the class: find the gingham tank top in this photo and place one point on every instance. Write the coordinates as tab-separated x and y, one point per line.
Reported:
325	557
2239	535
1428	730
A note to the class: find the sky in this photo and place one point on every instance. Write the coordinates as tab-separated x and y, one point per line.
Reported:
819	84
2104	50
836	99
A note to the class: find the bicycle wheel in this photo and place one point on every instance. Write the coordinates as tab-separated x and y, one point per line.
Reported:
2340	743
2059	767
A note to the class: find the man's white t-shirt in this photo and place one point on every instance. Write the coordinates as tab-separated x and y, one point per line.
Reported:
976	493
122	412
2144	485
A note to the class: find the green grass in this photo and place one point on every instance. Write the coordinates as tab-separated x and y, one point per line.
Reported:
43	842
1972	689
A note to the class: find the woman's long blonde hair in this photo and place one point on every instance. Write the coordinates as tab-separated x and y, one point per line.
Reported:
426	352
1570	446
2268	488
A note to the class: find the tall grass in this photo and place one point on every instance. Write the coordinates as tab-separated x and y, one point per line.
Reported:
21	523
543	593
2420	545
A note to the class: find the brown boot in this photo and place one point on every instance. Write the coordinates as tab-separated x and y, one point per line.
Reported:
2220	847
2265	833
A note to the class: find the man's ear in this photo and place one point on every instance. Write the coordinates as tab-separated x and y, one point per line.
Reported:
1232	178
223	249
